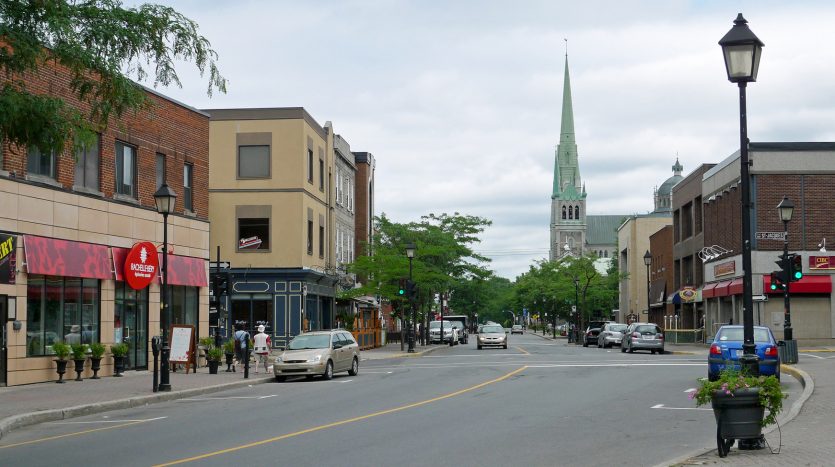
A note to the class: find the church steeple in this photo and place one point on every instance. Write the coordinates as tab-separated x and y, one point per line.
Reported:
567	182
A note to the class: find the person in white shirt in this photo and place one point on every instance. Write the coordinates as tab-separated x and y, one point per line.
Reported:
261	345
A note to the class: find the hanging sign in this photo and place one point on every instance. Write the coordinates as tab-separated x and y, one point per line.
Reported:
141	265
7	259
250	242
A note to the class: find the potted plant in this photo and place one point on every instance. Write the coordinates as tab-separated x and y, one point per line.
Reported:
739	405
96	352
229	352
79	356
213	357
62	351
119	352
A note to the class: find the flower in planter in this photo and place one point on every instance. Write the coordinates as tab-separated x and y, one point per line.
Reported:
771	395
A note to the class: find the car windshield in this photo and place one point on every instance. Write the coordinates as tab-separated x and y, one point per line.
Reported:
737	334
492	329
437	324
617	327
458	324
313	341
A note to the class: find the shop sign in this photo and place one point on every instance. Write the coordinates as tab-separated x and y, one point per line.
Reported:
687	294
7	259
141	265
249	242
724	269
822	262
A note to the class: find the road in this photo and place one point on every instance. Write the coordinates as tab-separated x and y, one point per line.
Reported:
537	403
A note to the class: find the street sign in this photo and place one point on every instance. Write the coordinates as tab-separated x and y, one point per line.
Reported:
223	265
771	236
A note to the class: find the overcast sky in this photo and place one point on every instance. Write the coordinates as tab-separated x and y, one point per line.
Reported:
459	101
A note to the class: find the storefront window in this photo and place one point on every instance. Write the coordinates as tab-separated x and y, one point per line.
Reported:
183	305
61	309
253	310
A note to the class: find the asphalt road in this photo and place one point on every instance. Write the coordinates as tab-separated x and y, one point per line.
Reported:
536	403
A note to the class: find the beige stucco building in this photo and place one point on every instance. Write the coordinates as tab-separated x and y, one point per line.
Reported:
633	242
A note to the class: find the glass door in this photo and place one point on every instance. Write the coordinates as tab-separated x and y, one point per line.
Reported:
131	324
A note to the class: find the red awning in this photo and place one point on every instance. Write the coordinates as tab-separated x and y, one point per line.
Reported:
736	287
808	284
708	290
54	257
182	270
721	289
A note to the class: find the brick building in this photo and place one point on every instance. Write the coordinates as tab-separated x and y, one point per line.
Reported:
661	278
71	218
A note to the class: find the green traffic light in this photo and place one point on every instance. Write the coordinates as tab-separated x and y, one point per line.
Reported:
773	286
798	275
401	292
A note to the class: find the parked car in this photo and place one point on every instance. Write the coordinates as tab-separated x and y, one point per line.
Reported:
435	332
727	348
610	334
590	337
643	336
462	336
517	329
318	353
492	335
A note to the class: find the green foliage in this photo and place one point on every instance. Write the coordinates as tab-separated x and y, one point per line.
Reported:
229	346
97	350
207	342
79	351
119	350
104	46
214	354
61	349
771	394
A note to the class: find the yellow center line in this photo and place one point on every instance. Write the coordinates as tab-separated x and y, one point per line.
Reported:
77	433
342	422
522	350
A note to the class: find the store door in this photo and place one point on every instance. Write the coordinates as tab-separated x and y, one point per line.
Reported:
135	332
4	318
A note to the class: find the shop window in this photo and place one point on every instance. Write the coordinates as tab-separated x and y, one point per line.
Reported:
254	161
184	302
61	309
253	234
87	165
40	164
188	179
126	170
250	311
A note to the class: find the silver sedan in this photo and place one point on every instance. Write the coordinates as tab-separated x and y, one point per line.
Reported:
611	334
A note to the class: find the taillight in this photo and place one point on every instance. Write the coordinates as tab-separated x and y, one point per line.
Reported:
714	350
771	351
660	336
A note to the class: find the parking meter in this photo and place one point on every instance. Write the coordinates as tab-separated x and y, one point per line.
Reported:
155	348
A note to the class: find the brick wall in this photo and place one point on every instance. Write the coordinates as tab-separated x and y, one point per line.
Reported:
182	134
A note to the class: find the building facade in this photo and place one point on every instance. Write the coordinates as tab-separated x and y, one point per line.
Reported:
67	221
271	201
633	241
661	279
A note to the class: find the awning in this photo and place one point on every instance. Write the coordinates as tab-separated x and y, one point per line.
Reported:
709	290
736	287
807	284
182	270
54	257
721	289
656	292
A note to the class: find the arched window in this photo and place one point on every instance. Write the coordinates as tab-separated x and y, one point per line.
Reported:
569	213
570	242
577	212
606	254
563	212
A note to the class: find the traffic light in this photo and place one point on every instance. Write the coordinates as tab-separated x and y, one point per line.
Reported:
776	281
401	287
411	289
796	268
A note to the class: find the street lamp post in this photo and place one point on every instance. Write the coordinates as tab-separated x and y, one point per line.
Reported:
577	305
647	262
410	252
742	50
165	198
786	209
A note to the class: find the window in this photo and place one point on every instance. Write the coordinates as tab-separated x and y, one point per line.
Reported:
321	175
310	166
577	212
87	165
321	241
40	164
188	177
570	213
309	237
161	178
254	161
253	234
60	309
126	170
563	212
337	187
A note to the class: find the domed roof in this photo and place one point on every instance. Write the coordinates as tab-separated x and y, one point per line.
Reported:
666	188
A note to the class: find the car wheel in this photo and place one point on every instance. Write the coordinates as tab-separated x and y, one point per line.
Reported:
622	349
328	374
599	346
479	347
661	351
630	349
355	367
280	379
308	377
585	344
652	351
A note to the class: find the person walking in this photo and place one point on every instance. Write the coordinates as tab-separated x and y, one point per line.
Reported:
261	345
241	345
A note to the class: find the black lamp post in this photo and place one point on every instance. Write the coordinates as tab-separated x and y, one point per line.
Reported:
577	306
165	199
742	51
410	252
647	262
786	209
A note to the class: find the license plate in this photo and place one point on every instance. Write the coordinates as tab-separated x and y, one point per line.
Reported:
738	353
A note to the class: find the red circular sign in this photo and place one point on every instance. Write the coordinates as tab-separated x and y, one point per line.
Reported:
141	265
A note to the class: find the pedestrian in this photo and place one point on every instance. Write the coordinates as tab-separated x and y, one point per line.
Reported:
74	336
241	345
262	347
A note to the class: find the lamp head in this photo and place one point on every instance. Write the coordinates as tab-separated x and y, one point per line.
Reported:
165	198
742	50
410	250
786	209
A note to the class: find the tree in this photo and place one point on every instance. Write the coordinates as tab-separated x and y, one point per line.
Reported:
104	46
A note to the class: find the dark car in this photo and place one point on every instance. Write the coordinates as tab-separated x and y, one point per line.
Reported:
727	348
590	337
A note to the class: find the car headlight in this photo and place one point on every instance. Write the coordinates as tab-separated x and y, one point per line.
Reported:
278	359
315	359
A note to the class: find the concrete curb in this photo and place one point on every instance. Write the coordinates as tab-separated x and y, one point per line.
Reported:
808	384
21	420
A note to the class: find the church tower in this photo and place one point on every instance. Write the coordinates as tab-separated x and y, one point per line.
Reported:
568	197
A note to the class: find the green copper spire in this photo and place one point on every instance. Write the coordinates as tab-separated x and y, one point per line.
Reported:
567	182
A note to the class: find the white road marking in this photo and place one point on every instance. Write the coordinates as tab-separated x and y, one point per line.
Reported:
690	390
548	365
815	356
378	372
225	398
107	421
267	397
661	406
345	381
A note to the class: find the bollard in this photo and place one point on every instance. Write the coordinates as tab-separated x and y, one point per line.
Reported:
246	363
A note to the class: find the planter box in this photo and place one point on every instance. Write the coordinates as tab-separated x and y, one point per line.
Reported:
740	415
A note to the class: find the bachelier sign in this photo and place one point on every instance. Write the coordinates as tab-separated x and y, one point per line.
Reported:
141	265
